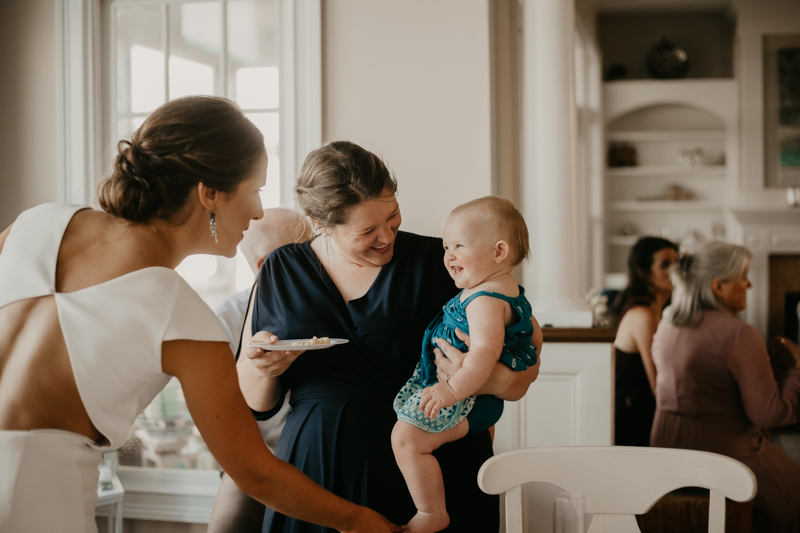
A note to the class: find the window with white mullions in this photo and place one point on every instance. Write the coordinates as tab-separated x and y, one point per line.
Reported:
95	89
162	50
167	49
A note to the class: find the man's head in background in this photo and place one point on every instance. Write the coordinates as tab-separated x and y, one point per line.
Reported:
279	226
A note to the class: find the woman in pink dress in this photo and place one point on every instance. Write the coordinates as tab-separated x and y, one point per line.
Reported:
715	388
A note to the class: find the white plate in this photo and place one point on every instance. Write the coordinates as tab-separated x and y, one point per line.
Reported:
286	344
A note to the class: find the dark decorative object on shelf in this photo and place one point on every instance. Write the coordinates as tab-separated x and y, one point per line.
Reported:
666	60
622	155
616	71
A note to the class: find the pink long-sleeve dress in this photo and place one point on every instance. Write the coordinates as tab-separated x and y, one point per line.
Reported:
715	391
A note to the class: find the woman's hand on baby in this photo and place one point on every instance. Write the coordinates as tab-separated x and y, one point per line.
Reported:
449	359
270	363
436	398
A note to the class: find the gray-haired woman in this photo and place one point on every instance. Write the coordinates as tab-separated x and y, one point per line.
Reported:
715	388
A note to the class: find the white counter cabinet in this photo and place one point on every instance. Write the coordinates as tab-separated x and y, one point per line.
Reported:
570	404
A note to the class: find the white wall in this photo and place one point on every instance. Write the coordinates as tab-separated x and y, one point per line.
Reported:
27	106
410	81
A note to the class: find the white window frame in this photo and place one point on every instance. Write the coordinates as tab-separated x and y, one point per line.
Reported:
155	494
79	83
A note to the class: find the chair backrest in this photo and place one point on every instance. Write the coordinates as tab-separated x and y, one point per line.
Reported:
618	482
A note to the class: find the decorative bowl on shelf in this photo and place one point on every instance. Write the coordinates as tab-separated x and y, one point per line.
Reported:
627	229
667	60
698	157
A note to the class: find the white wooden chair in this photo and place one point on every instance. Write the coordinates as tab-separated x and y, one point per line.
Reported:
618	481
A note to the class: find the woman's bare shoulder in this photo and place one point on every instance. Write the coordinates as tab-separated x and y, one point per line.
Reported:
636	321
637	317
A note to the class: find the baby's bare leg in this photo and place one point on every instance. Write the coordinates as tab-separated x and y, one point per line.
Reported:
412	450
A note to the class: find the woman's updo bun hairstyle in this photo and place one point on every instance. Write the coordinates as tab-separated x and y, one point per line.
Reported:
189	140
338	176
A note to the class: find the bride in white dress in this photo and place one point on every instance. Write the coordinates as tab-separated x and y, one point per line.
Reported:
94	321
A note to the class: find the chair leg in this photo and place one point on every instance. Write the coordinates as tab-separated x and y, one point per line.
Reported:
716	513
514	510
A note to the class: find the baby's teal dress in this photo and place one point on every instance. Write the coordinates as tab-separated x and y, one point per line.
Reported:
482	411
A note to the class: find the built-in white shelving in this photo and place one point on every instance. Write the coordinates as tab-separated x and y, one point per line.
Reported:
665	171
623	240
665	205
674	135
665	123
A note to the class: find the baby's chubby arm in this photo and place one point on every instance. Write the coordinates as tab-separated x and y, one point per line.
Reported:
487	321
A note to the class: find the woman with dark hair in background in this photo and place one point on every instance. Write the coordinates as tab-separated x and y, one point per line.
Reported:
94	321
638	309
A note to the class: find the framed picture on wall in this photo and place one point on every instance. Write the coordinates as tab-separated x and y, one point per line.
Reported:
782	110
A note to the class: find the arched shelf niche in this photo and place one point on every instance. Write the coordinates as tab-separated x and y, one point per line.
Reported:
668	116
666	176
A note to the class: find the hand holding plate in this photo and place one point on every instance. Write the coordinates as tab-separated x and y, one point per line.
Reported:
269	362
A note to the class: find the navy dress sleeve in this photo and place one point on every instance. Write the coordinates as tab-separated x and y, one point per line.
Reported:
339	430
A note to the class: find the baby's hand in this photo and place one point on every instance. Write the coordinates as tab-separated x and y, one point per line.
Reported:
437	397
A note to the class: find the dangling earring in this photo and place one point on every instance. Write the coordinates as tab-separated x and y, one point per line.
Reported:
213	219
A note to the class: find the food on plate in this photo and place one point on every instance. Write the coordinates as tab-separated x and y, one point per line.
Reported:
313	340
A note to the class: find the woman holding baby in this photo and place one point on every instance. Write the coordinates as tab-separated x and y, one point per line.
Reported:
362	279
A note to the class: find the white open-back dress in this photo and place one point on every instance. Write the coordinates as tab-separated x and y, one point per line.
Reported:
113	333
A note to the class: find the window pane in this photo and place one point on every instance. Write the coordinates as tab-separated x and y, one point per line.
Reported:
239	61
244	275
257	87
197	268
139	58
195	47
269	126
253	53
189	77
126	127
271	192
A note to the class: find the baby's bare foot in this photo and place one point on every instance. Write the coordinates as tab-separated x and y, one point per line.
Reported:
427	522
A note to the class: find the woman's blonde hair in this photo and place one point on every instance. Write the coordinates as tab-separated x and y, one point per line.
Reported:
692	276
337	177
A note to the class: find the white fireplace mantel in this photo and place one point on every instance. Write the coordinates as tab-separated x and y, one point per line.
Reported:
765	232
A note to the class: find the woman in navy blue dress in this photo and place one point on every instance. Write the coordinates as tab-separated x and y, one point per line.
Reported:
363	280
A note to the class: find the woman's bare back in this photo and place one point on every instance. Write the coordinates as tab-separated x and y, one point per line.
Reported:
37	385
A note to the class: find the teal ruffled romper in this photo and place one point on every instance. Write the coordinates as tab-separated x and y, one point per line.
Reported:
482	411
